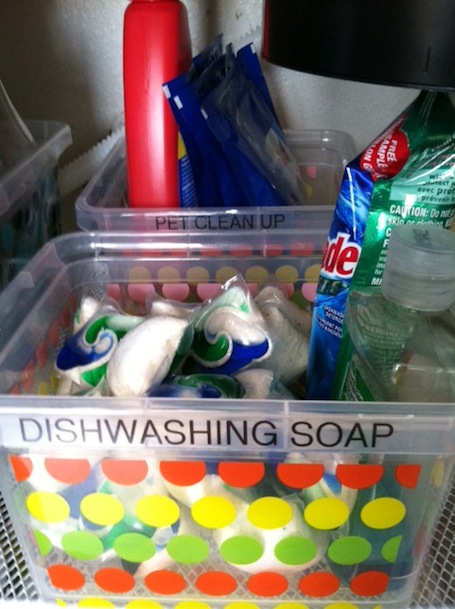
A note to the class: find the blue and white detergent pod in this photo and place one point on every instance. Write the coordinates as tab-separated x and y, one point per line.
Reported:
406	175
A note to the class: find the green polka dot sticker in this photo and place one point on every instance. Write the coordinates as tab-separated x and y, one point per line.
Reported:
82	545
43	542
296	550
349	550
188	549
390	548
241	550
134	547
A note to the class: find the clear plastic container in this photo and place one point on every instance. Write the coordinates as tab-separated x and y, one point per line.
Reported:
29	198
171	500
322	155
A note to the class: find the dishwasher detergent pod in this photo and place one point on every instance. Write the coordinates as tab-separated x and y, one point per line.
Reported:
406	175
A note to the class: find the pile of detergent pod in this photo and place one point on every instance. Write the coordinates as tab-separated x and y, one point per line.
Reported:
231	346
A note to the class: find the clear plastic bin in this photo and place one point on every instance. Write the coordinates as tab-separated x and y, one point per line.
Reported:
322	155
205	503
29	198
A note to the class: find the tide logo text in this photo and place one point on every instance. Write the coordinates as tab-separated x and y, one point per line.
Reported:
341	257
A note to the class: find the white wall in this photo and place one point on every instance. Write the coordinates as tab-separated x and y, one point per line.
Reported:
62	60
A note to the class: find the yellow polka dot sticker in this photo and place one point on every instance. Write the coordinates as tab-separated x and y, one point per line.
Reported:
54	383
326	513
225	273
197	274
143	604
341	606
287	273
438	473
139	273
157	511
47	507
312	273
95	603
168	273
213	512
43	388
291	606
256	274
192	605
269	513
383	513
102	509
243	605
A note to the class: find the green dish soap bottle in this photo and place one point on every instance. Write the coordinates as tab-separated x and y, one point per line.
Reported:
403	338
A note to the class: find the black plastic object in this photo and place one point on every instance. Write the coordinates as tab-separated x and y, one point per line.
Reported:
394	42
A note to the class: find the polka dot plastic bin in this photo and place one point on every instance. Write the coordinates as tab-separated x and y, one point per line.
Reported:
30	199
190	504
321	154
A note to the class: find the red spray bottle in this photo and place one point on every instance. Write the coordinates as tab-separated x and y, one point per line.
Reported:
156	49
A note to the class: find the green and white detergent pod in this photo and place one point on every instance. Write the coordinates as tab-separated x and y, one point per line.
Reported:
406	175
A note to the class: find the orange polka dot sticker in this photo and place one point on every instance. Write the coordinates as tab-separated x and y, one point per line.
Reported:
182	474
215	583
359	476
241	475
193	533
300	475
165	583
115	581
68	471
22	467
408	475
65	577
127	473
268	585
319	585
370	583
